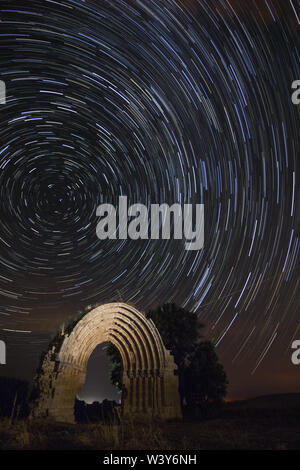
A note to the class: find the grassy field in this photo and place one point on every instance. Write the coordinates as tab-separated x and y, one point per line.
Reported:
263	423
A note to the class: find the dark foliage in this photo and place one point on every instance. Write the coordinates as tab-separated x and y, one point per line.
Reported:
95	412
204	379
180	330
13	398
116	365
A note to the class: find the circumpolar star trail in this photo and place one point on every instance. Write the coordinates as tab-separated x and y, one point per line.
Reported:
162	101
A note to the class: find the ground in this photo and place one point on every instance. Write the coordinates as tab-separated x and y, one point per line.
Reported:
264	423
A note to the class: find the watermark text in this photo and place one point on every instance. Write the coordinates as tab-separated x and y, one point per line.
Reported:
2	92
296	93
2	353
139	227
296	354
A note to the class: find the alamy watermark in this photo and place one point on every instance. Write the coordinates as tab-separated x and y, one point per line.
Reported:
2	92
139	227
296	93
2	353
296	354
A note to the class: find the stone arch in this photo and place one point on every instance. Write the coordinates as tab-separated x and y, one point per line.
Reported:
149	381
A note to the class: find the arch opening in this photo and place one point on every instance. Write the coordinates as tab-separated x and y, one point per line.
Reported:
99	399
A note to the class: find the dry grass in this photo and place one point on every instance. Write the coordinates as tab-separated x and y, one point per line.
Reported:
49	435
236	429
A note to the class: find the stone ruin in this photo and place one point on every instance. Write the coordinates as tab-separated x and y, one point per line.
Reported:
149	386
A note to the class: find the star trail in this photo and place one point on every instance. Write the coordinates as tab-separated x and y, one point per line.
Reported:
163	101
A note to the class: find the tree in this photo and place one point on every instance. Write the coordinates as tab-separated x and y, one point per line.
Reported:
205	379
116	365
180	330
201	377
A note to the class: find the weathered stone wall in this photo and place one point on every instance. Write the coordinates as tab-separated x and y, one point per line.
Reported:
150	385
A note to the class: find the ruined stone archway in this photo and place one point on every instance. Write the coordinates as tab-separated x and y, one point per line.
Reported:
149	382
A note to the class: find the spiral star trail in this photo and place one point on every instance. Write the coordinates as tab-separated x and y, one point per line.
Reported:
162	101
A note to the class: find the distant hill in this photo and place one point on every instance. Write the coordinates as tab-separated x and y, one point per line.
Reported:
280	401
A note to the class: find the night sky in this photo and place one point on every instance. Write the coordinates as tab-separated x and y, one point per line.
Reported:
163	101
